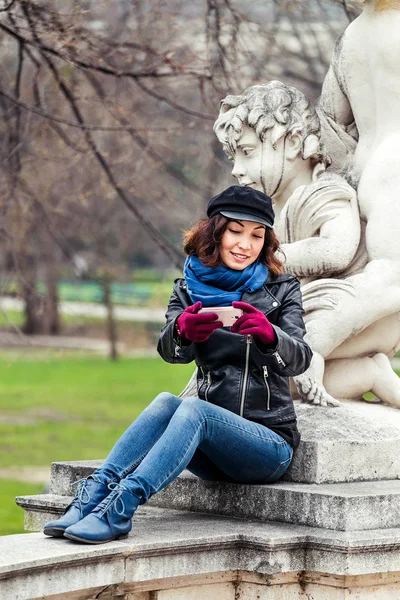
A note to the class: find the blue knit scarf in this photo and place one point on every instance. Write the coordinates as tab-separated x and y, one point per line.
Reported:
220	286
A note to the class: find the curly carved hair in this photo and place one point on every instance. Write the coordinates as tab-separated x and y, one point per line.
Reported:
271	106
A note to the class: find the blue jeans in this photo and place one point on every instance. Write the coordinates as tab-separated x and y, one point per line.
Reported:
172	434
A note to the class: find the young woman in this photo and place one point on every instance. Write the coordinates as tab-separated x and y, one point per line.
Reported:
241	426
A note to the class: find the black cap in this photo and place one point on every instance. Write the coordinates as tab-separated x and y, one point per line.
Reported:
243	204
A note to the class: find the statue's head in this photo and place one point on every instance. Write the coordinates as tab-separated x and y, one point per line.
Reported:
264	128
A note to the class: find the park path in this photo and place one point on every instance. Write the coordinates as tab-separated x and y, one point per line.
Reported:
26	474
17	339
90	309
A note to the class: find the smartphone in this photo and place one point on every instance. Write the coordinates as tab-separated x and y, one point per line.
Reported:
227	314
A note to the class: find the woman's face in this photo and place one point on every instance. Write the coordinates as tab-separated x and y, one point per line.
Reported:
241	244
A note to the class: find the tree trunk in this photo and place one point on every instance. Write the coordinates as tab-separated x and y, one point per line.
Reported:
50	316
111	325
33	302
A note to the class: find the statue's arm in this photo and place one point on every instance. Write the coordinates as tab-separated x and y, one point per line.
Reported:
331	251
339	132
333	101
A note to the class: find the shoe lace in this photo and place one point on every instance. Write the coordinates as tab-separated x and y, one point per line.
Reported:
82	496
112	500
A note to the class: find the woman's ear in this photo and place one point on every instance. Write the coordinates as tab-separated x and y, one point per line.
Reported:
293	146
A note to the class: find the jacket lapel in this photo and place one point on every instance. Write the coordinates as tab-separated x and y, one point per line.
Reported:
262	299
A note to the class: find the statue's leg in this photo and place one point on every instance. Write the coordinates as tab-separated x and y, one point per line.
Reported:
334	334
351	378
191	387
381	336
376	295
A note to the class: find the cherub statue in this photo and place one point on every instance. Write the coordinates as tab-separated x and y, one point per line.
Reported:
272	134
360	115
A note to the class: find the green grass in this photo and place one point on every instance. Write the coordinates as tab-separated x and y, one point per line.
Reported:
69	408
11	516
55	407
11	317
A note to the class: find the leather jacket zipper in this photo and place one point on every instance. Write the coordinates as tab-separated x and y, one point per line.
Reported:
209	381
249	339
203	372
279	359
206	383
265	370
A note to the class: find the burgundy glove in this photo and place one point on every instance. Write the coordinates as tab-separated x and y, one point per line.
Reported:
254	323
194	327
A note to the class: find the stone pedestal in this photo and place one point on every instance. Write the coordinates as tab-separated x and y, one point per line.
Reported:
355	442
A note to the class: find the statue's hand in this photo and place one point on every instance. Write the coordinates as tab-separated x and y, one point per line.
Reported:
313	393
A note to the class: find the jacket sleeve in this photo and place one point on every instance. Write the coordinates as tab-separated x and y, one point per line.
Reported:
293	355
170	346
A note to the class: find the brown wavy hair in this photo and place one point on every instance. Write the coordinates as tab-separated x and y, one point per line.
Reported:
204	239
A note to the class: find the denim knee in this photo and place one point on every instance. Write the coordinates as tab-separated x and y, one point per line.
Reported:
191	407
165	402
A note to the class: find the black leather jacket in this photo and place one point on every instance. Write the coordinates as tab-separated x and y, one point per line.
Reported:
235	371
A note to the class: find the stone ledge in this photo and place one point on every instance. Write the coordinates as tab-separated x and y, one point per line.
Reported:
44	502
42	508
167	544
342	507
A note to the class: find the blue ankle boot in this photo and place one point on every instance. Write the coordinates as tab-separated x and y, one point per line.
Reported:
88	495
110	520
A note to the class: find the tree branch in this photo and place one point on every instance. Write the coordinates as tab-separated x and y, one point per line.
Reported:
78	125
141	142
175	254
188	111
177	71
9	5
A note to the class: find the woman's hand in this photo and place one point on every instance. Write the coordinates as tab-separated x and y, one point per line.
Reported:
254	323
196	327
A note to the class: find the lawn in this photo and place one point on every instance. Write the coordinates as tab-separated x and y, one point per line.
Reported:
11	516
56	407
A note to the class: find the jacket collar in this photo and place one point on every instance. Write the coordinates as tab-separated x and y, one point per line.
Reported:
280	279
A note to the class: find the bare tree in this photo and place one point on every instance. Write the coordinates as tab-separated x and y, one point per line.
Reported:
110	106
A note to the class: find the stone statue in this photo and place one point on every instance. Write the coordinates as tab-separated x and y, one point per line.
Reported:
360	114
273	136
360	100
